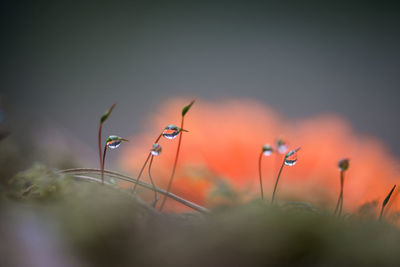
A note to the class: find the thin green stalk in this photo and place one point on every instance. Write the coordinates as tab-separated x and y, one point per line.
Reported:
277	180
152	183
144	165
174	168
260	176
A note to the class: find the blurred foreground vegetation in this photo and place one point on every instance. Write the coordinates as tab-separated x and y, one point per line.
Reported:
49	219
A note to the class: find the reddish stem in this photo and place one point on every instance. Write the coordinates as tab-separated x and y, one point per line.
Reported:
102	165
99	142
152	183
174	168
277	180
341	192
259	173
144	165
141	171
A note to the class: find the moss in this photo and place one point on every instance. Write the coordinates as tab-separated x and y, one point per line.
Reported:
105	226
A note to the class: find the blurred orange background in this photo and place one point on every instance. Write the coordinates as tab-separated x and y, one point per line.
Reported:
225	140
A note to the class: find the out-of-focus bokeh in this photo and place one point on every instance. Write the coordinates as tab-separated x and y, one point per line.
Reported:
219	156
323	75
64	62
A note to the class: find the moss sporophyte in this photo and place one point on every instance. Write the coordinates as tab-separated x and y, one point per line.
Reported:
174	130
343	166
170	132
103	118
267	151
112	142
290	159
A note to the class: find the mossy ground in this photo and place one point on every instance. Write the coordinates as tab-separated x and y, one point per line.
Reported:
93	225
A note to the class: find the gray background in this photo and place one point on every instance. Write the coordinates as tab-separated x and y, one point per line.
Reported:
66	61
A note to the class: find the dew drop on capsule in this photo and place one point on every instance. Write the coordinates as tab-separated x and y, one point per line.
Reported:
281	146
171	131
267	150
113	141
156	150
291	157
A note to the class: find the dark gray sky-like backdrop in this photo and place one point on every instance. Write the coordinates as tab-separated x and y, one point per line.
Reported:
66	61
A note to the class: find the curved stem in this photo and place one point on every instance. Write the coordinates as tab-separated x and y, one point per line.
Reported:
174	168
99	143
102	165
277	180
259	173
127	178
141	171
145	163
152	183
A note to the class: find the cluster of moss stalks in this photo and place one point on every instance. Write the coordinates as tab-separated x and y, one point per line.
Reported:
97	225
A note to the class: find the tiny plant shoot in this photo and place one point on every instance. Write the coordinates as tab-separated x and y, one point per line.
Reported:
290	159
177	131
343	166
102	120
266	150
385	202
112	142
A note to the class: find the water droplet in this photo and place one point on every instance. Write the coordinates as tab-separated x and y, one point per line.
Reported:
281	146
291	157
267	150
114	141
343	164
156	150
171	131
